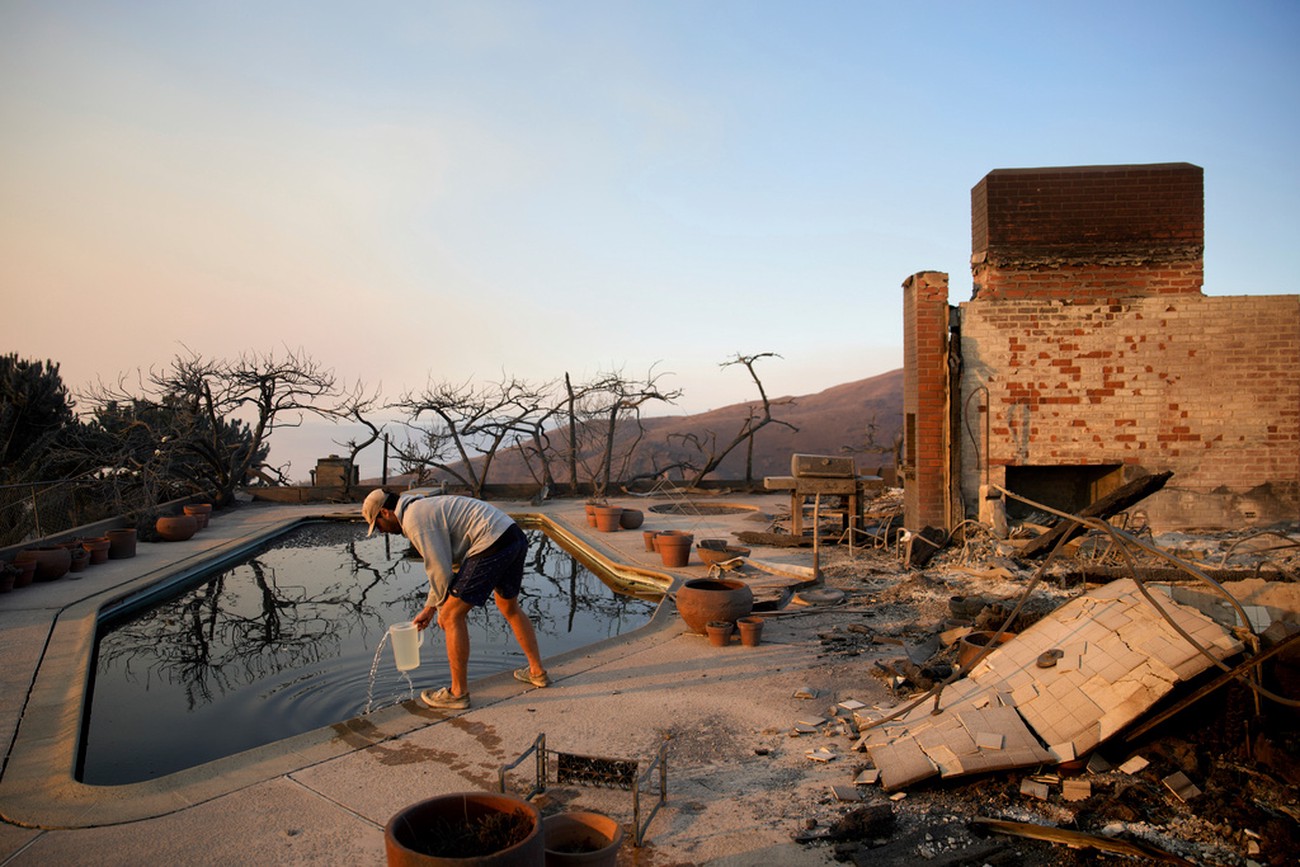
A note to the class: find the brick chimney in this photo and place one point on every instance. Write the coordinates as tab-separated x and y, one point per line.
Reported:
1088	233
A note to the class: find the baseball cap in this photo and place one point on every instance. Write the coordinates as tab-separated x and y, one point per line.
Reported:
374	501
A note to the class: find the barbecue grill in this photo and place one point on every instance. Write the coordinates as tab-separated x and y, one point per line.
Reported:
829	475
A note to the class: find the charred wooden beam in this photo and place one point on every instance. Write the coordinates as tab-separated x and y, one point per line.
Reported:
1118	500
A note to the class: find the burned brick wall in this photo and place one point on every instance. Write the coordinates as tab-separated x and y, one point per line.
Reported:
1208	387
1088	355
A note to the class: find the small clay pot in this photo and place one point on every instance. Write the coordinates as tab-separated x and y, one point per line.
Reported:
590	509
672	534
608	518
9	577
719	632
202	513
79	559
751	631
972	644
97	547
649	537
176	528
581	838
631	519
121	543
675	551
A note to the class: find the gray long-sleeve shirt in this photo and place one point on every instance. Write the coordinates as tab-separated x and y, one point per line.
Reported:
445	530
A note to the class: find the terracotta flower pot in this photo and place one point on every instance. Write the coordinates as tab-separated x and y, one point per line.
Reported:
97	547
719	632
703	599
202	512
631	519
52	562
675	551
608	518
671	534
649	537
431	832
579	838
79	559
176	528
121	543
751	631
972	644
590	509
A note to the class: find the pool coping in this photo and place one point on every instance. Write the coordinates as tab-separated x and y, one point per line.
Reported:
39	789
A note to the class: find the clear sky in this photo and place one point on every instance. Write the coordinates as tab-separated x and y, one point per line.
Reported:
415	190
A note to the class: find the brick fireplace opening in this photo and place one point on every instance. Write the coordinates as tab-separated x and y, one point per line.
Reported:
1068	488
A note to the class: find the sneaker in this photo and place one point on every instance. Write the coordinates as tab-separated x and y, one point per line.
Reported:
523	675
444	700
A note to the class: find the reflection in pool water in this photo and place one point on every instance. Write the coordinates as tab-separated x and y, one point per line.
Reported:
283	643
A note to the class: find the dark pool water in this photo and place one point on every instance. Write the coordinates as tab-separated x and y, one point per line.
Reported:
283	643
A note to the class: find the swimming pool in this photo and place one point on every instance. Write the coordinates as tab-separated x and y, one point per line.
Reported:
283	643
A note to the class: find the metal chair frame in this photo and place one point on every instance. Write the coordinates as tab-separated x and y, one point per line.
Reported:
596	771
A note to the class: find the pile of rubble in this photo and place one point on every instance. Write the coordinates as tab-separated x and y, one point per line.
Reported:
1144	705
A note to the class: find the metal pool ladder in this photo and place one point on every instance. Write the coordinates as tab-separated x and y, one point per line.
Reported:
595	771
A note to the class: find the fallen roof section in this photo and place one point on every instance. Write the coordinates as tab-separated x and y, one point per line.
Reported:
1113	656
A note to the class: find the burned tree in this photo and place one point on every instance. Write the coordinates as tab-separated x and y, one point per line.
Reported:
468	426
760	416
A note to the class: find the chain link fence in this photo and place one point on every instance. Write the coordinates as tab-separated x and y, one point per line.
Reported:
33	510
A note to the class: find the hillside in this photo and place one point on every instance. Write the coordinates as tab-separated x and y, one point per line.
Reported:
828	422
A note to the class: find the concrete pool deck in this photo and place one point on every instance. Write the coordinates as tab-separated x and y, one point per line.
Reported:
325	796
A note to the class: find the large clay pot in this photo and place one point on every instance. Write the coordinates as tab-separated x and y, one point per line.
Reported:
97	547
701	600
51	563
579	838
608	518
121	543
202	513
176	528
631	519
420	829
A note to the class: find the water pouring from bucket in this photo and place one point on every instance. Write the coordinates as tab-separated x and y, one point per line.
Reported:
407	639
